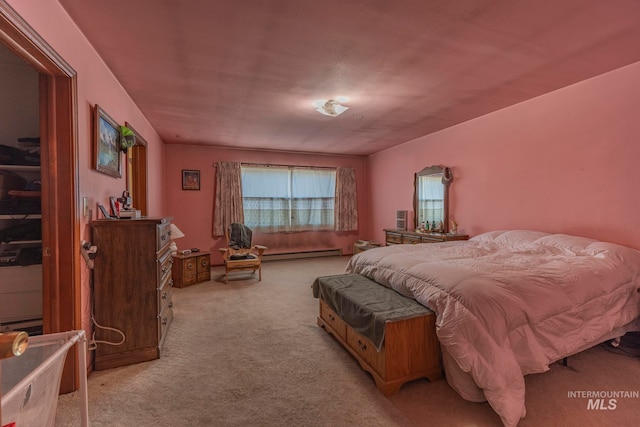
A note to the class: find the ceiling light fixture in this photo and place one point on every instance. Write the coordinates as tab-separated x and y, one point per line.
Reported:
330	107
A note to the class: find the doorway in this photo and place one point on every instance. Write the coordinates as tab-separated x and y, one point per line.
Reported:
137	172
59	175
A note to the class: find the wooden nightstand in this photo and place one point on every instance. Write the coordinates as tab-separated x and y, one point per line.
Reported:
191	269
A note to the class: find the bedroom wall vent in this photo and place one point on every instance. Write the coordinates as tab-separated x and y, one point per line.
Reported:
401	220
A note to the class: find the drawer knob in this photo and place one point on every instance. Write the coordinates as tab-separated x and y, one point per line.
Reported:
170	304
164	321
190	267
164	295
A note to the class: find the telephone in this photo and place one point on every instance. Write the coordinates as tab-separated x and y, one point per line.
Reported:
126	201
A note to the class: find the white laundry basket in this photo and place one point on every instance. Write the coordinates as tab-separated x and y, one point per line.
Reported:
31	381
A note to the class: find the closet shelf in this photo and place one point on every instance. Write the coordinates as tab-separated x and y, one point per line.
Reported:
21	216
20	168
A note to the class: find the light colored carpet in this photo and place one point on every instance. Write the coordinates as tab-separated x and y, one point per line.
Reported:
251	353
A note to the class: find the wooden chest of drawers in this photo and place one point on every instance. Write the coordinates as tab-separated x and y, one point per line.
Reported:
132	289
191	269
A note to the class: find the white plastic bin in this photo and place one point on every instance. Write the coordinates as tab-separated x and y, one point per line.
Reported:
31	382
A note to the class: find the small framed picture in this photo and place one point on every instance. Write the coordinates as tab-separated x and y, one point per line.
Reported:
105	214
115	213
106	143
190	180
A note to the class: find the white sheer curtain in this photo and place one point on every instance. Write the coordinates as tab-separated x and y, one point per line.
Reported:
266	197
313	199
288	198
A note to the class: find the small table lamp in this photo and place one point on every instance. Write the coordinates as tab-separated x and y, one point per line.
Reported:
175	234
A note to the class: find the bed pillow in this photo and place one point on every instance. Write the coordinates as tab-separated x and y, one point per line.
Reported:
511	237
625	254
489	236
520	236
574	244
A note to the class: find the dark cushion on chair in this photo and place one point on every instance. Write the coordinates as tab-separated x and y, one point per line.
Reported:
237	257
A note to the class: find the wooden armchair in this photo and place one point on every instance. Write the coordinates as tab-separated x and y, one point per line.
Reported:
241	254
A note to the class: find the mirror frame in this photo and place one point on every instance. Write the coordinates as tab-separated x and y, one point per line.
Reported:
447	179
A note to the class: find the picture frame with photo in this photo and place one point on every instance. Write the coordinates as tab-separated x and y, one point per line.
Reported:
106	143
115	212
104	211
190	179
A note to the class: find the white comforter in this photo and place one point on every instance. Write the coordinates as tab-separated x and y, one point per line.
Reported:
510	303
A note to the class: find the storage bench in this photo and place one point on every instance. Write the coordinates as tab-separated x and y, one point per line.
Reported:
392	337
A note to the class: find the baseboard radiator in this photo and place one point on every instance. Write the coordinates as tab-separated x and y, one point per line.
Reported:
300	255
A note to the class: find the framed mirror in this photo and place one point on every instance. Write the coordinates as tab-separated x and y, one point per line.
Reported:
431	197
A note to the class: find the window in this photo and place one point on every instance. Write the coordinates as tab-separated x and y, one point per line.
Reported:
278	198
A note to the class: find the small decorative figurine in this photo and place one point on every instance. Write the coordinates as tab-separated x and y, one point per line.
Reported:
453	229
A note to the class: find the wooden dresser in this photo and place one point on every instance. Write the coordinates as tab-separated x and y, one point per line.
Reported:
398	237
191	269
132	289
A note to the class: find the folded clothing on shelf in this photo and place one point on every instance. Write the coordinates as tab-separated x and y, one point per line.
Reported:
15	156
21	253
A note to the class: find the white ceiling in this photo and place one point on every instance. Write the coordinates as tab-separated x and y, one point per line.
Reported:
243	73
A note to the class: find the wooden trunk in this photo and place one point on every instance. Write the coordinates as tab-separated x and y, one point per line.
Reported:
410	349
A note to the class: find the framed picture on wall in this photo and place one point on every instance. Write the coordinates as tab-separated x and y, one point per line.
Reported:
190	179
106	143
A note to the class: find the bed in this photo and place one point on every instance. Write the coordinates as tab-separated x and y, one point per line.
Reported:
510	303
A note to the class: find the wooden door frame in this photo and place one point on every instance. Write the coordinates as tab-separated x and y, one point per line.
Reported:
137	172
61	292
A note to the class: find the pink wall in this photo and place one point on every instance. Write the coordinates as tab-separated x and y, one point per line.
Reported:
96	85
566	162
193	210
